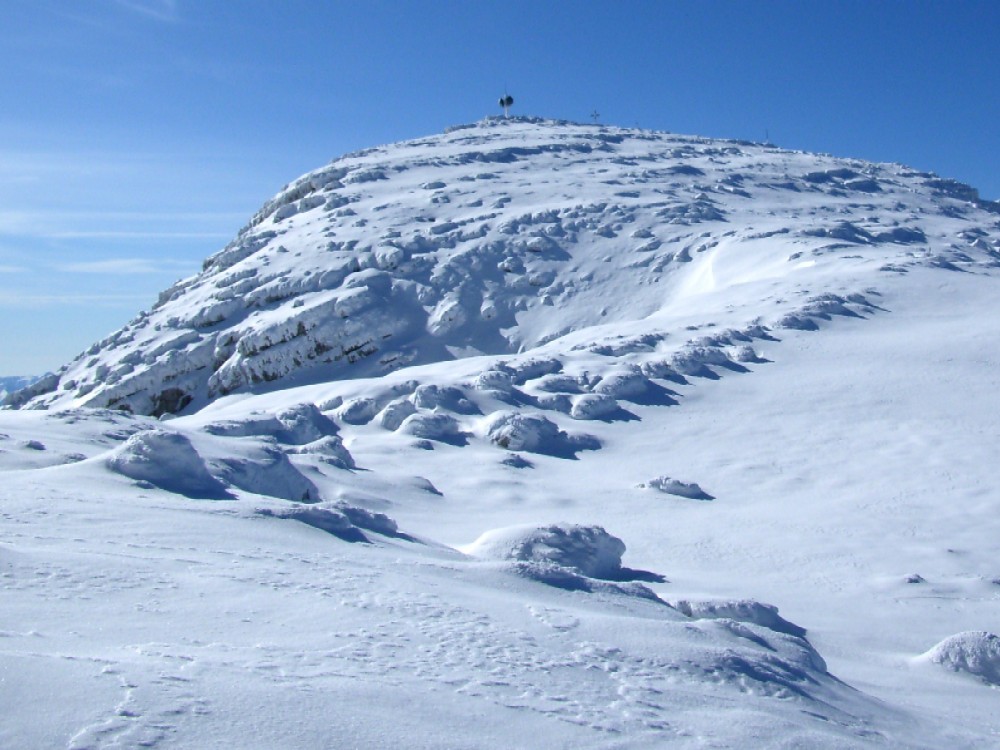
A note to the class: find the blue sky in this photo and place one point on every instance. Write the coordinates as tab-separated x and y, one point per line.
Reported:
137	136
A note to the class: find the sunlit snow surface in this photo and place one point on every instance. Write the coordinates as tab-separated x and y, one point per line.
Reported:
529	435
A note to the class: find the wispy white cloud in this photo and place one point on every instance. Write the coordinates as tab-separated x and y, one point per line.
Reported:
123	215
12	269
128	266
116	224
158	10
19	299
41	166
114	234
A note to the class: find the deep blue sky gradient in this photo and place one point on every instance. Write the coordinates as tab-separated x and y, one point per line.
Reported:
137	136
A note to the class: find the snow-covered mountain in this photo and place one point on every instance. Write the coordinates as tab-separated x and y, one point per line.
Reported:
501	237
534	434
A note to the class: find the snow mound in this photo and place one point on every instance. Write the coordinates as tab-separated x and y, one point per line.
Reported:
265	470
498	382
535	434
623	385
741	610
330	450
254	425
166	460
974	652
557	383
594	406
449	399
304	423
587	550
395	412
358	411
439	427
675	487
296	425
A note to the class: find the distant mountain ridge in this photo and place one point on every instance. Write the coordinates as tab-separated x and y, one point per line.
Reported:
11	383
508	237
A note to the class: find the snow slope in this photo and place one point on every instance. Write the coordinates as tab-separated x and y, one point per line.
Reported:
530	434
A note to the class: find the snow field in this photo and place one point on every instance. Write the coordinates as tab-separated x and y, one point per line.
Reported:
536	434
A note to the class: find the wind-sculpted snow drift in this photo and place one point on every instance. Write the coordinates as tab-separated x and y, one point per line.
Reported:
256	499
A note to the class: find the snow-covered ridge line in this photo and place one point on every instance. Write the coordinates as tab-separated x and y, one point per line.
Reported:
501	237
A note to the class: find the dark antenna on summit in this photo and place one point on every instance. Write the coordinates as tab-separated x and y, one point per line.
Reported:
506	101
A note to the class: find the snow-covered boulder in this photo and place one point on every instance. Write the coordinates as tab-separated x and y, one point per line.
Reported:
522	432
556	383
296	425
395	412
746	354
256	425
166	460
494	381
432	397
593	406
554	402
623	385
533	433
265	470
358	410
588	550
693	359
330	450
440	427
975	652
304	423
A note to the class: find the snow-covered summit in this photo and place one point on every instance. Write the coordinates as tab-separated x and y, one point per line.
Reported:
510	237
